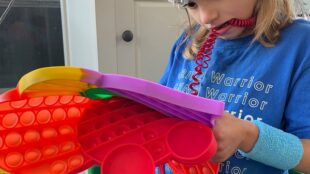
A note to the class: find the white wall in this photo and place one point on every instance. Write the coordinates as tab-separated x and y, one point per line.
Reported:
79	33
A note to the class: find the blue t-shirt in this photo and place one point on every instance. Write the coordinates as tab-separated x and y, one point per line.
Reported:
256	83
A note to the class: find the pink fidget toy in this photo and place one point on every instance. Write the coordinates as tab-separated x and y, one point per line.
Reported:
61	120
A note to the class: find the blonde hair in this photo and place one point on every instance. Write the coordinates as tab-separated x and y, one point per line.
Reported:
272	16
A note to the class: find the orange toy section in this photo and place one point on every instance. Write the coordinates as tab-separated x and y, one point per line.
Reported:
38	135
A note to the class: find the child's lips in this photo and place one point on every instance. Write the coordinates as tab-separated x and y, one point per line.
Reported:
223	29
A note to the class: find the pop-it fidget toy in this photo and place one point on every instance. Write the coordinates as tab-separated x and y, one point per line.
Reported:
67	134
74	81
44	133
38	135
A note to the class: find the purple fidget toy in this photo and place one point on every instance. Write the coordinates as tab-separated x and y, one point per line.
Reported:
161	98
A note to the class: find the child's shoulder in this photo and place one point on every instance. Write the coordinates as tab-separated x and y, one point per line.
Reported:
300	26
298	32
297	38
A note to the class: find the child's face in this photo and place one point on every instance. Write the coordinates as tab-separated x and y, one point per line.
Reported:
212	13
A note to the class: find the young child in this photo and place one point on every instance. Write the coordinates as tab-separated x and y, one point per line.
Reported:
254	56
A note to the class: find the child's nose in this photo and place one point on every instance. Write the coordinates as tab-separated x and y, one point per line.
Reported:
207	16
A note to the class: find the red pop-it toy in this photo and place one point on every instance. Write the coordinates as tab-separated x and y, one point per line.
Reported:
68	134
38	135
140	138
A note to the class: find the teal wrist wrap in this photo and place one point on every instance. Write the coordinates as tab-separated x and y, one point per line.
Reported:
275	148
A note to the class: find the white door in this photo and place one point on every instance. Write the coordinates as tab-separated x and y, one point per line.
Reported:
154	24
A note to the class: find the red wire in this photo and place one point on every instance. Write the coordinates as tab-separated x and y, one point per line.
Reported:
242	22
205	51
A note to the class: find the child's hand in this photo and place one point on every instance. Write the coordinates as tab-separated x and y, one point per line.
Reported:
231	134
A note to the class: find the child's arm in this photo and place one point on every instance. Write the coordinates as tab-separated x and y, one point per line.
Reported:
232	133
304	165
